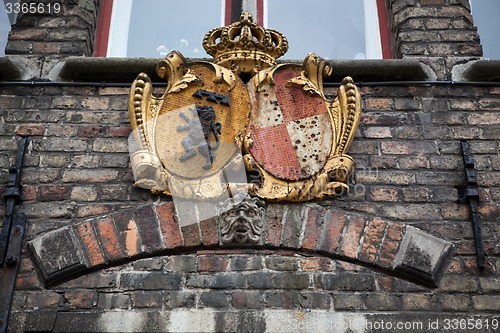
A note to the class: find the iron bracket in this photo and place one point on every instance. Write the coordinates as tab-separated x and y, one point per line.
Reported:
8	272
11	236
470	194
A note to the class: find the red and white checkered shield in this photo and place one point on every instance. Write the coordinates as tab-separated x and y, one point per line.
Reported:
291	128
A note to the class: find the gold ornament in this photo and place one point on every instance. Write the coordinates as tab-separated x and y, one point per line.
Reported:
279	130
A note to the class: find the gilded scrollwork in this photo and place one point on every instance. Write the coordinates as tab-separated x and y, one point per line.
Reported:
279	127
344	114
164	150
311	78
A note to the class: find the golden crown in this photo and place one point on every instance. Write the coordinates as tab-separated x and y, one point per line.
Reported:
244	46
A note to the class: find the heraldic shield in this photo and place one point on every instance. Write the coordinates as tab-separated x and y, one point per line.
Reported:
185	143
211	135
297	137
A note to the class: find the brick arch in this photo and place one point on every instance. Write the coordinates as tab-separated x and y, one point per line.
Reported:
153	230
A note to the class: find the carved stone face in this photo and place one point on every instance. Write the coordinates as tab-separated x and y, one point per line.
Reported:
242	223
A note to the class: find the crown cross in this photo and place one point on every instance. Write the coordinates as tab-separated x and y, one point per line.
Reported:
244	46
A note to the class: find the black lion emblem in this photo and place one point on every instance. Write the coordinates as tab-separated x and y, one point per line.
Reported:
200	125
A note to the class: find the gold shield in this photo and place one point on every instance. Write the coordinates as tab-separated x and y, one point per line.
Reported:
193	131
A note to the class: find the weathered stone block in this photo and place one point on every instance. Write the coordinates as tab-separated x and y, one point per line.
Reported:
57	254
422	256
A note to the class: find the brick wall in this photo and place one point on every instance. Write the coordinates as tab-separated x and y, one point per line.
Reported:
69	32
409	168
433	28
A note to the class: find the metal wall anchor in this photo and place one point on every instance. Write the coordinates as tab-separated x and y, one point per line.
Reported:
11	237
469	194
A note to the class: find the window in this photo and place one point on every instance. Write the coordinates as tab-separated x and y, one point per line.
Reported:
6	21
153	28
334	29
486	14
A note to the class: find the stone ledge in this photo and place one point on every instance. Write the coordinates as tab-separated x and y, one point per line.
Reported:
154	230
8	71
126	69
482	70
266	320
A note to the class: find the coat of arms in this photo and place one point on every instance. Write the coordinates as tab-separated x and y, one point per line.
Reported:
243	122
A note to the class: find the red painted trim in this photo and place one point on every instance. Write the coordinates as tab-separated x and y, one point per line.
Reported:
385	38
260	12
103	28
228	11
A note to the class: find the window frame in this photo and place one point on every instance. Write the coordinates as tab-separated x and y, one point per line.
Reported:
230	13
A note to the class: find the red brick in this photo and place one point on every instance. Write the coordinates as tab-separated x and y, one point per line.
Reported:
352	236
384	162
387	253
29	192
119	131
395	231
93	210
407	147
95	103
114	91
331	234
378	103
148	228
43	300
274	218
314	224
385	283
191	233
372	240
128	235
492	247
80	299
389	247
29	34
489	212
455	266
10	102
47	48
91	131
212	263
169	225
31	129
470	266
246	299
60	130
454	211
376	132
109	238
209	232
384	194
28	281
310	264
53	192
465	247
89	240
292	227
